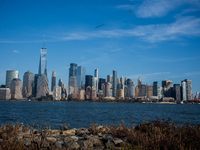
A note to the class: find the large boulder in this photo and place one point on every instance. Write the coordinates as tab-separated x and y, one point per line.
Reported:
51	139
59	144
69	132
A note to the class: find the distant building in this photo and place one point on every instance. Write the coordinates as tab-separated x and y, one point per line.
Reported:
101	82
60	82
188	89
88	81
80	76
10	75
184	91
150	90
155	88
125	91
139	82
160	93
93	94
81	94
88	93
53	80
137	91
73	83
42	86
131	90
56	93
34	90
125	81
120	94
95	83
5	94
143	90
114	83
110	79
96	75
70	91
72	70
166	85
106	89
177	91
16	89
28	80
43	61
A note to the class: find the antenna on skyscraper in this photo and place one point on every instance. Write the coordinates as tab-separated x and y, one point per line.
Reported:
44	42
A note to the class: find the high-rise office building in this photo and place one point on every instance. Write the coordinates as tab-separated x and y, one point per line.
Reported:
166	85
34	91
95	83
80	77
183	91
96	74
56	93
101	82
43	60
16	89
106	89
188	89
177	91
125	82
155	88
110	79
88	81
160	93
139	82
149	90
131	90
114	83
42	86
73	83
5	94
53	80
10	75
60	82
72	70
28	79
122	80
143	90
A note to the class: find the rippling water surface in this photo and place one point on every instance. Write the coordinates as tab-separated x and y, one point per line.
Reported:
79	114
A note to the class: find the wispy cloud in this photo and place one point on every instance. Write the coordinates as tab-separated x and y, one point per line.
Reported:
159	8
15	51
144	76
4	41
126	7
182	27
193	73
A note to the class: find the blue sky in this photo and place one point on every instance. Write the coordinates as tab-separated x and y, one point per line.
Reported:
151	39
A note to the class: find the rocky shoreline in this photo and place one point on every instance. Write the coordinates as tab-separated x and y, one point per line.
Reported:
64	138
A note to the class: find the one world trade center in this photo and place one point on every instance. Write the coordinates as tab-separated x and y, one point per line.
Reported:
43	60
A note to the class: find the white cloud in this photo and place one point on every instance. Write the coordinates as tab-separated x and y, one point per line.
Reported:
182	27
144	76
193	73
159	8
15	51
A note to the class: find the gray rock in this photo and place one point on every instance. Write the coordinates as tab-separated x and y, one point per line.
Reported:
27	141
99	134
59	144
85	144
107	137
110	145
117	141
56	134
71	144
19	136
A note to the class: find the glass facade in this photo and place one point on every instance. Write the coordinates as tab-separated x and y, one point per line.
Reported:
80	76
72	70
95	83
43	62
10	75
131	90
184	92
155	88
114	83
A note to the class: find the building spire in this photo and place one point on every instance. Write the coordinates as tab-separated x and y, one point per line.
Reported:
44	42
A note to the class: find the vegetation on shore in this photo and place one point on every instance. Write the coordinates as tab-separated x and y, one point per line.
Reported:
159	134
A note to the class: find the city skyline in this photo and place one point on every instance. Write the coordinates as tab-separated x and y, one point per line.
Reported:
158	45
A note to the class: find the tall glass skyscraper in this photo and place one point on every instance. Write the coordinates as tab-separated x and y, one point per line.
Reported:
72	70
114	83
80	76
10	75
96	74
43	61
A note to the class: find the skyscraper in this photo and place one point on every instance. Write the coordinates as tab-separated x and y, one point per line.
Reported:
95	83
139	82
73	83
28	79
88	81
42	86
114	83
155	88
96	74
184	92
177	91
16	88
110	79
188	89
72	70
53	80
101	82
10	75
56	93
43	60
80	76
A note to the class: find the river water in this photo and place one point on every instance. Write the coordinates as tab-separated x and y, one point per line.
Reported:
82	114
